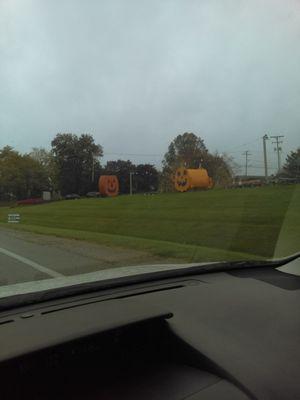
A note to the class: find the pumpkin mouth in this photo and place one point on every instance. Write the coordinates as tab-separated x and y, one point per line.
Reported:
182	183
111	188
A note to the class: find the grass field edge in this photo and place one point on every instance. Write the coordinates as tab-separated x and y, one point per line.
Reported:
155	247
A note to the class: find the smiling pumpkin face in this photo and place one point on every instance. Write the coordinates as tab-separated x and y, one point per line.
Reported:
182	183
192	179
112	185
108	185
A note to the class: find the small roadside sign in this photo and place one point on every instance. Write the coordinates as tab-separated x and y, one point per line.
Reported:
13	218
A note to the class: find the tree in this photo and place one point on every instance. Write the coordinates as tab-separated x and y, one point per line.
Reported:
291	168
47	160
145	178
187	150
77	162
41	155
220	168
20	175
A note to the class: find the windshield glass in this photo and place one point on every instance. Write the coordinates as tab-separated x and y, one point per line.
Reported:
142	133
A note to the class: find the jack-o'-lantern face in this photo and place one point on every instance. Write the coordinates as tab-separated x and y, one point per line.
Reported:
108	185
181	180
112	184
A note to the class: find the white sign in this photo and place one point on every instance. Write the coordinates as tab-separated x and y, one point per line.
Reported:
13	218
46	196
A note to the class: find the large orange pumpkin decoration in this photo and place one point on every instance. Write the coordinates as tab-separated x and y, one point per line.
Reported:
108	185
186	179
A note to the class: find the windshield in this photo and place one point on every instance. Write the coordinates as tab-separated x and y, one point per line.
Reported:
142	133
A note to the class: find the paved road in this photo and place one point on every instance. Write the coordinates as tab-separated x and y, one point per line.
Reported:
26	257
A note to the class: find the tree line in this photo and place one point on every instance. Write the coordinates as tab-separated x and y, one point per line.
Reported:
73	165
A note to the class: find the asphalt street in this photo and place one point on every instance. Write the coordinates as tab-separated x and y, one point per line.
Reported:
26	257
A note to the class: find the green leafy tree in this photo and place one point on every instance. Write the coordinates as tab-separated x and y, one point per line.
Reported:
77	162
47	160
145	178
292	164
188	150
220	168
20	175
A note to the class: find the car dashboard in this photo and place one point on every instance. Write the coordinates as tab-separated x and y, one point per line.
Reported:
223	335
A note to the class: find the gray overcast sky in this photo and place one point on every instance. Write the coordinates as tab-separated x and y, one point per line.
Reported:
136	73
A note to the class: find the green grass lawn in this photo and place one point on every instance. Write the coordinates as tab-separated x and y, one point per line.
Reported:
195	226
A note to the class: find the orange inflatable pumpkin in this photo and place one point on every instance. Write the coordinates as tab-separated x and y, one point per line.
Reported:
186	179
108	185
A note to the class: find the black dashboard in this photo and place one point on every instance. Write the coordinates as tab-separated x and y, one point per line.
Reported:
224	335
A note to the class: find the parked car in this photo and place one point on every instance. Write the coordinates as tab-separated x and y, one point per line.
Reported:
93	194
72	196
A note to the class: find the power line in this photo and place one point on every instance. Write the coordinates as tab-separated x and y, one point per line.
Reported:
240	145
258	166
133	154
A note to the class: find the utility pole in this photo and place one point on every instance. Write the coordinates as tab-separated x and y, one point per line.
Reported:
278	148
93	169
265	138
246	154
130	181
